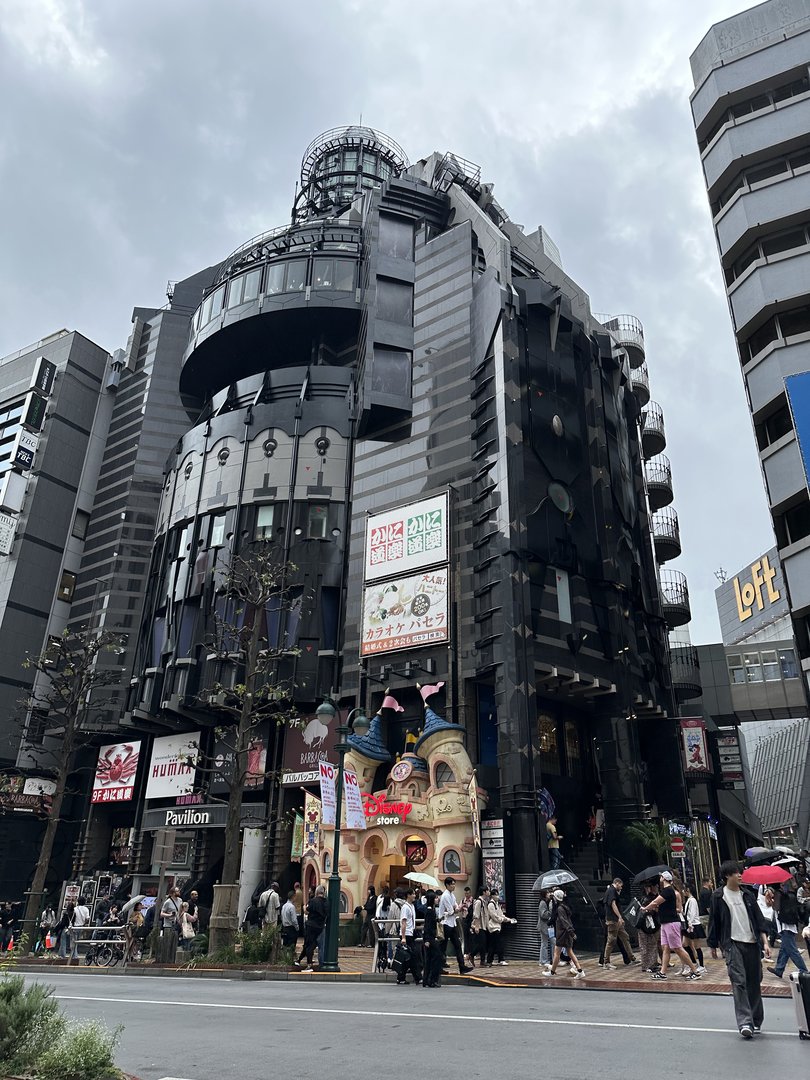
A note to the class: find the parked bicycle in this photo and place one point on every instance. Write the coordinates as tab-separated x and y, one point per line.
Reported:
104	953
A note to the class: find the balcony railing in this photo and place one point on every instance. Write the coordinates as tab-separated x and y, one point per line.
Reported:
675	598
626	331
640	381
685	667
659	481
666	534
653	433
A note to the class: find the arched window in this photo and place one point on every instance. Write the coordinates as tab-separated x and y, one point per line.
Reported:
451	862
344	903
327	862
444	775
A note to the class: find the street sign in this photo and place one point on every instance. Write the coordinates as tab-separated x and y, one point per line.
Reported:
677	845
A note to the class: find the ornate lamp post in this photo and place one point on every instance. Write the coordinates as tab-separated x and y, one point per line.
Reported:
356	722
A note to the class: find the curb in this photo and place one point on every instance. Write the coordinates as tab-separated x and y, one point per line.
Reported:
261	975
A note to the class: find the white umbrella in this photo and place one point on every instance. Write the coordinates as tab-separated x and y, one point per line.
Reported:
423	879
132	902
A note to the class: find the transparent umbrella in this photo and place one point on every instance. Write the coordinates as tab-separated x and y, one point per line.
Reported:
551	878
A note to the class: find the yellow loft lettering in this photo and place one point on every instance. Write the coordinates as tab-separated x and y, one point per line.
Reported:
762	575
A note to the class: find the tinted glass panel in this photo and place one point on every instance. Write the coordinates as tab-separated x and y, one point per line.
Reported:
396	237
252	283
275	278
217	300
323	274
394	301
296	275
795	322
235	292
344	275
391	373
785	242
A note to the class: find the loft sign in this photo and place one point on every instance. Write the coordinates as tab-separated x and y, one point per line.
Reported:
386	813
751	592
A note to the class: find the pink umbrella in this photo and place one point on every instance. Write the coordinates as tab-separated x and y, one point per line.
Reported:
765	875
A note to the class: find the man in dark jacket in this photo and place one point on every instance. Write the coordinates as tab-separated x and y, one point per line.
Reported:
738	928
317	913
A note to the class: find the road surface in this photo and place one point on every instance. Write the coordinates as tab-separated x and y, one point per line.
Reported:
195	1029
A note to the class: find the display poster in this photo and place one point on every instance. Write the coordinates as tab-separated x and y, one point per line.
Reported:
355	815
306	743
312	826
224	752
297	845
695	750
406	539
327	774
115	772
405	613
475	813
173	765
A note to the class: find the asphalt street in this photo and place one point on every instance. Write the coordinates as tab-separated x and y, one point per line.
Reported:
195	1029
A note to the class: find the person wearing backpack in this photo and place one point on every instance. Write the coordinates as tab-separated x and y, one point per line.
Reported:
270	905
480	927
786	906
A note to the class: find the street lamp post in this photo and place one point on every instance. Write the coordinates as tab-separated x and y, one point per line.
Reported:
356	722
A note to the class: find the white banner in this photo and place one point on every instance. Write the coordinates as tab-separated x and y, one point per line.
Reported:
355	815
115	772
327	775
173	766
406	539
405	613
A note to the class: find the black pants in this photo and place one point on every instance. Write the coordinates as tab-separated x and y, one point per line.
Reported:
415	963
451	935
367	932
744	966
494	946
289	935
311	935
478	946
433	963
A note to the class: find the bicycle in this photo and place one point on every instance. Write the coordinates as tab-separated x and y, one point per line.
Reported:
104	953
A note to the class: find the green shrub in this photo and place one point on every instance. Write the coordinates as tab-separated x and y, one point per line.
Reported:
262	948
29	1022
84	1052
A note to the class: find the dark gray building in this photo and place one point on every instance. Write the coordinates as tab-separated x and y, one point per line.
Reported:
54	412
404	394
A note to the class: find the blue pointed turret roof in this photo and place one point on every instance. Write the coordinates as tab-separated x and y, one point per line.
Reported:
434	723
371	744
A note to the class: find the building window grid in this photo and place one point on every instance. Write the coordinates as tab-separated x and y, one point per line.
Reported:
768	247
765	99
767	665
780	167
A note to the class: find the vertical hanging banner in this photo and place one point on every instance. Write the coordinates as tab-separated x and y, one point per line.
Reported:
355	815
475	812
695	750
312	826
297	846
327	775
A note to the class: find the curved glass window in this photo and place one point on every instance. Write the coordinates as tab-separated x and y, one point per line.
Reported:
275	278
244	288
296	278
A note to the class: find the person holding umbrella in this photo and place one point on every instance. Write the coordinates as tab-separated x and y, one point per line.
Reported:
564	936
737	926
668	906
787	925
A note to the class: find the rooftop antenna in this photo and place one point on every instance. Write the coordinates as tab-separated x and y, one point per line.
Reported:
721	575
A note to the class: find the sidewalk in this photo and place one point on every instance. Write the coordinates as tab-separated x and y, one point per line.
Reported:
355	966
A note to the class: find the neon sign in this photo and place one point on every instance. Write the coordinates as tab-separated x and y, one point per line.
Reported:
386	813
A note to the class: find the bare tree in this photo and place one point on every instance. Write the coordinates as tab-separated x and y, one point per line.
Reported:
261	593
66	689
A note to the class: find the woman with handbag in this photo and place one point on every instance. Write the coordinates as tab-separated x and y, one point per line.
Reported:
565	936
649	934
187	931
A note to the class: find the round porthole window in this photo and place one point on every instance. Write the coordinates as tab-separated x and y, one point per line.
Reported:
557	426
322	444
223	455
561	497
270	447
189	469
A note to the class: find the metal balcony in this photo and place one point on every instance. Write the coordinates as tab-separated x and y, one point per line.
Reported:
653	433
628	333
675	598
659	482
640	383
666	534
685	668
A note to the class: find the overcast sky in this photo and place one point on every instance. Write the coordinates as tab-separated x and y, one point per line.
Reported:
141	141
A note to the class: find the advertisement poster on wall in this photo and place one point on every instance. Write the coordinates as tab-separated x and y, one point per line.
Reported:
327	774
695	750
173	766
405	613
297	845
312	826
222	764
355	814
117	766
407	539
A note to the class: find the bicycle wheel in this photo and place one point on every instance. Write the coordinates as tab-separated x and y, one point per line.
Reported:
90	957
117	954
104	956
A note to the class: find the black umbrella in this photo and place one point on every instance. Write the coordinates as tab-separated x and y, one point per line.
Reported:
761	856
652	873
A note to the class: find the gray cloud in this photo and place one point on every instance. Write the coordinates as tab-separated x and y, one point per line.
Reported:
147	140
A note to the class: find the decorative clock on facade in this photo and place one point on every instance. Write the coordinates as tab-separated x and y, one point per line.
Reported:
401	771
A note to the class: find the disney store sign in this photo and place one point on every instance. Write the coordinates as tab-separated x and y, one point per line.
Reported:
386	813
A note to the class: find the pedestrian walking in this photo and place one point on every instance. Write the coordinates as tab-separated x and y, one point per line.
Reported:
614	923
187	931
543	919
786	906
47	921
465	925
496	918
480	927
170	912
705	897
738	928
693	931
388	916
669	905
407	937
433	953
553	839
317	914
81	918
648	929
298	903
63	930
564	936
289	921
448	918
270	905
367	935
